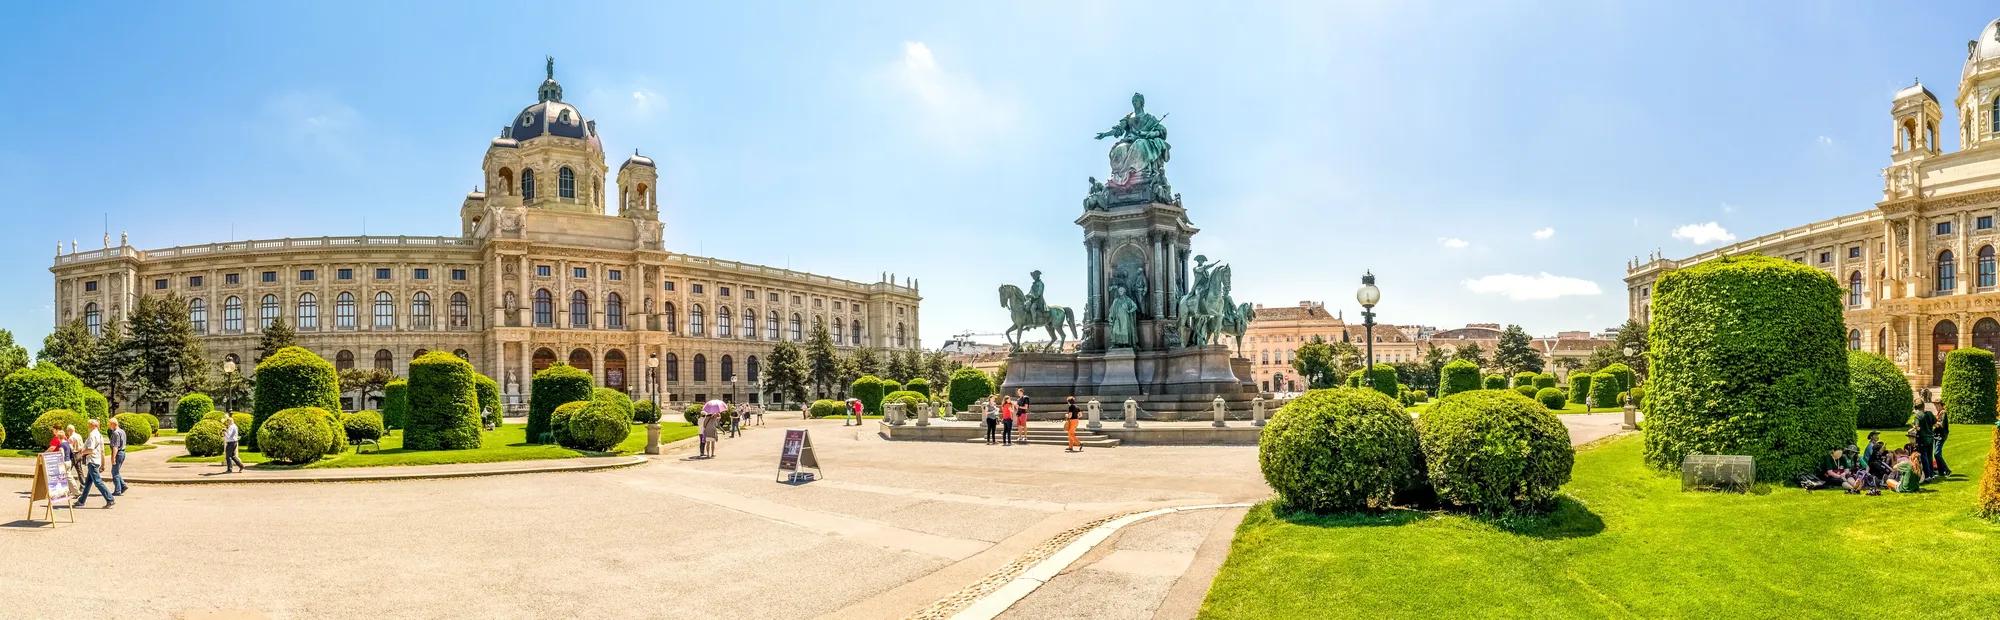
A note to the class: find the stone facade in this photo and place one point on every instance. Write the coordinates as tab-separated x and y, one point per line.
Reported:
1275	335
1919	267
542	272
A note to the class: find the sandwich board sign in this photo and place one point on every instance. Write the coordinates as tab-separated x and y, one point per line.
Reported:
796	455
51	486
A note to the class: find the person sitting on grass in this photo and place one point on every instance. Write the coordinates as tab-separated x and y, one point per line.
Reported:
1908	475
1835	470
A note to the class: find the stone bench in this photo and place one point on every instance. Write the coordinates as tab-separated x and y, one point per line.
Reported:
1718	472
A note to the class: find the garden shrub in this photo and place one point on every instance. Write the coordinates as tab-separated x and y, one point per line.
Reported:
560	418
1525	390
1420	395
291	378
491	410
1524	378
336	431
363	425
824	408
645	412
242	421
204	438
1968	393
692	413
919	385
553	386
597	426
1552	398
967	386
138	429
1989	482
1383	379
909	399
1545	380
1496	382
97	407
1458	376
891	385
616	399
1638	396
190	410
1495	453
55	421
28	393
1626	378
1354	378
1338	450
1579	387
396	404
295	436
868	390
152	421
1749	356
1604	390
443	404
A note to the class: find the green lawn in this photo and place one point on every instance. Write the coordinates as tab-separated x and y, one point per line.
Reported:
507	443
1567	408
1626	542
31	453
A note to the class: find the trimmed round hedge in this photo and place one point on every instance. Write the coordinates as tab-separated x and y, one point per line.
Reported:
615	398
396	404
826	408
1579	386
692	413
190	410
204	438
1341	449
1749	356
968	385
1626	378
444	404
919	385
28	393
362	425
909	399
488	392
295	436
1545	380
138	427
554	386
559	420
1494	453
645	412
54	421
243	421
1882	395
891	385
1968	392
1458	376
97	407
1523	378
1354	378
1495	382
1383	379
1604	390
868	390
596	426
291	378
1525	390
1552	398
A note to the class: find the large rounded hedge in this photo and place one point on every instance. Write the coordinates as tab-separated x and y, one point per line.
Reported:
138	427
1626	378
362	425
1882	395
190	410
396	404
909	399
28	393
1604	390
292	378
1495	382
1340	449
1355	378
295	436
243	421
1458	376
645	412
919	385
1968	392
204	438
968	385
55	421
868	390
1545	380
1552	398
1523	378
490	407
618	400
1579	386
552	387
596	426
890	386
1383	379
1749	356
1525	390
826	408
559	420
97	407
1495	452
444	404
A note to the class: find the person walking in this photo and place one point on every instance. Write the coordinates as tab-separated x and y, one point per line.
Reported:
992	418
1069	426
711	416
1007	422
94	455
117	458
73	450
230	435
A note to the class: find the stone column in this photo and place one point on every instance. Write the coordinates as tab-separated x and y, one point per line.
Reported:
1221	411
1131	413
524	314
1159	276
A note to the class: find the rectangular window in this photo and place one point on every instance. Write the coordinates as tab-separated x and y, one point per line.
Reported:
544	271
343	274
421	273
89	285
232	279
306	275
797	300
670	285
615	275
267	277
819	303
836	306
1985	222
773	298
722	291
458	275
194	281
1825	257
160	284
697	288
381	273
1944	228
1854	252
580	273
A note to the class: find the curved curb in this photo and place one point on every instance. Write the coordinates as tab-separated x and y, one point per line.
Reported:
362	475
996	602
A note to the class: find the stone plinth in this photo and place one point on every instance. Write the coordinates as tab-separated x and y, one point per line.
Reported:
1178	384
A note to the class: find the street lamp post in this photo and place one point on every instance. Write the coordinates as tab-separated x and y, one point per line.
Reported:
653	376
228	387
1368	296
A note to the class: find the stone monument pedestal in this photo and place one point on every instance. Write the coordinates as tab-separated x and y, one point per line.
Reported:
1169	385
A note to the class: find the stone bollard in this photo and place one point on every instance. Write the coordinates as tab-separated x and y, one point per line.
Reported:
1131	413
893	414
1257	411
1221	410
1096	411
1631	418
924	414
653	438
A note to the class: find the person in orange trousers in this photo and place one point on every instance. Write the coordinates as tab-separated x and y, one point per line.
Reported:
1069	426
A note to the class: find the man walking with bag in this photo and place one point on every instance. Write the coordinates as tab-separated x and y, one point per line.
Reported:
117	458
94	451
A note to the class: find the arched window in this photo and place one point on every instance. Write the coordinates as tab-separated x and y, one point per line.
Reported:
198	315
94	322
798	328
771	326
344	360
580	359
418	353
1947	272
543	359
566	183
528	184
854	333
267	311
700	368
614	311
343	311
902	336
673	318
461	311
673	367
420	310
1986	334
1854	289
750	367
614	369
1994	126
1854	340
385	311
750	323
385	361
728	368
839	335
1986	267
723	328
462	354
232	315
1882	341
545	308
579	309
695	317
1944	338
308	311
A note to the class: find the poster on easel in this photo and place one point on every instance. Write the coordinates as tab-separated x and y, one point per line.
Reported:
51	486
796	455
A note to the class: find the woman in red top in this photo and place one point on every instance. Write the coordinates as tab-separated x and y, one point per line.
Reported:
1006	422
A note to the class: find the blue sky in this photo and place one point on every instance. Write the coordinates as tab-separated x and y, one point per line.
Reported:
1460	150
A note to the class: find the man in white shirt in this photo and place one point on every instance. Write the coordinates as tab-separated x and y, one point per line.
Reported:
93	448
230	435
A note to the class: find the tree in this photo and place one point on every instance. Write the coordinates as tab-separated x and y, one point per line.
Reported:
822	362
366	381
1000	375
846	371
902	366
69	346
276	336
111	364
1317	363
937	368
1416	375
12	356
1632	335
1568	364
1434	361
1516	352
868	361
1471	352
166	357
785	371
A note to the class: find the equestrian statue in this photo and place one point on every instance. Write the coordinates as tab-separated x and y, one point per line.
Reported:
1030	311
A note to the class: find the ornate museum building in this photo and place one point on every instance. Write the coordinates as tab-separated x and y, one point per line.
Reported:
541	271
1919	268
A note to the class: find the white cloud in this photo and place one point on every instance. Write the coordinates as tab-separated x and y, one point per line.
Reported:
1453	243
1520	287
1825	141
1703	234
1728	208
1545	233
951	107
645	101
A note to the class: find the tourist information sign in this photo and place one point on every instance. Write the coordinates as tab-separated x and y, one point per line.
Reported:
797	454
51	486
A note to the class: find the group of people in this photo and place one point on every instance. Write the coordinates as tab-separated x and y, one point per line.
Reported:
1903	470
86	456
1004	416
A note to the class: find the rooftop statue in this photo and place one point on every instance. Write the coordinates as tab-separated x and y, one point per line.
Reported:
1141	152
